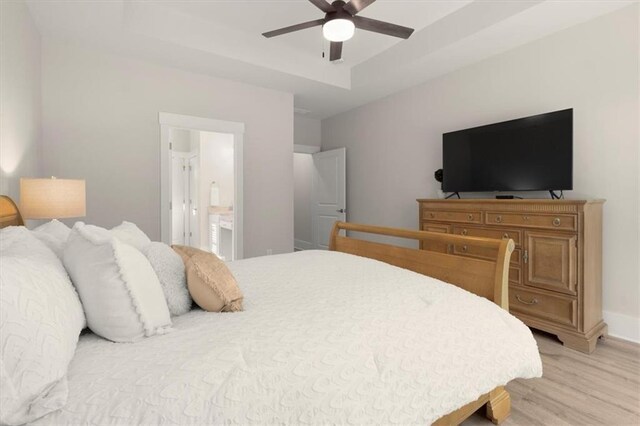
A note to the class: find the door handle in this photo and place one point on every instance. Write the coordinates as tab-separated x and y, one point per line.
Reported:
341	211
534	301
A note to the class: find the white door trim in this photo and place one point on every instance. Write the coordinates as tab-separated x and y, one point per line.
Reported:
177	121
189	122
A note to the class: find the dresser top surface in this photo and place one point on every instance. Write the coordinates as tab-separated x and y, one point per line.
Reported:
510	201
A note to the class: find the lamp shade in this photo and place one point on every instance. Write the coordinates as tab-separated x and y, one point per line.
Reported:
52	198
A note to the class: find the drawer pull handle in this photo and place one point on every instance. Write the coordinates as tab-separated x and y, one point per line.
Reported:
525	217
505	236
464	232
533	302
432	215
525	256
464	249
470	217
498	218
556	221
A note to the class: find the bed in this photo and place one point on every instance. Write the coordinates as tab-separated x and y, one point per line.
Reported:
365	333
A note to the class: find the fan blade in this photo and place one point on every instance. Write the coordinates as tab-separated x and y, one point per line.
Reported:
382	27
355	6
336	51
293	28
323	6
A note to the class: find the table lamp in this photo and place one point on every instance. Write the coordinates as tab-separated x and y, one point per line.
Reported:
52	198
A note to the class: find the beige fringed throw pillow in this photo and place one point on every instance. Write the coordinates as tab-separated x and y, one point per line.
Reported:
211	284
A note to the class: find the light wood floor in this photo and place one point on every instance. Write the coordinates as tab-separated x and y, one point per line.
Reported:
577	389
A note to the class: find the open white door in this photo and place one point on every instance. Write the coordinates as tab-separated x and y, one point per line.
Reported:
179	185
328	194
194	202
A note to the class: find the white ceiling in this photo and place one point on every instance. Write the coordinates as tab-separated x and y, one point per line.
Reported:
257	16
223	38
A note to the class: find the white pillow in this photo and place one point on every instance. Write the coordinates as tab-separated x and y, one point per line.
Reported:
54	234
169	268
129	233
40	321
120	292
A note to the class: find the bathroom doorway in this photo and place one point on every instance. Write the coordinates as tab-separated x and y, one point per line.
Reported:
203	165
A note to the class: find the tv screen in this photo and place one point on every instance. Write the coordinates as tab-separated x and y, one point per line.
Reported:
528	154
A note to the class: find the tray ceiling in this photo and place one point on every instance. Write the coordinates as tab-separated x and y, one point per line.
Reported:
223	38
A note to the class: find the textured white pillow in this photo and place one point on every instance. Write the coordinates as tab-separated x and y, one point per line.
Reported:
40	320
129	233
54	234
120	292
170	271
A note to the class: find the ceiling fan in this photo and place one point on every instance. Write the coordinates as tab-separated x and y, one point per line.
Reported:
340	22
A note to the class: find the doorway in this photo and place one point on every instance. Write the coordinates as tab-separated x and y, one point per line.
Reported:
201	189
319	195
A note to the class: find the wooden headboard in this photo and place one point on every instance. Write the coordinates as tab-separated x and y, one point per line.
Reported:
9	213
487	278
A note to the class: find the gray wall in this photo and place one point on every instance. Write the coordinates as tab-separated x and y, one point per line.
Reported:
100	123
395	144
19	97
306	131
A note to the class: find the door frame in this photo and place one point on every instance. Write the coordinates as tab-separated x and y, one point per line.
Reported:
170	121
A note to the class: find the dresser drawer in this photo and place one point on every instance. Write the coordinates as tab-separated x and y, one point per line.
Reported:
564	222
555	309
486	253
470	231
515	275
432	245
452	216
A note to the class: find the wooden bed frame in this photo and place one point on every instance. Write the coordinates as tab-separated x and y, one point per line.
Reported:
487	278
9	213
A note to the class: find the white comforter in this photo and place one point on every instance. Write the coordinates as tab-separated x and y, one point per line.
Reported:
325	338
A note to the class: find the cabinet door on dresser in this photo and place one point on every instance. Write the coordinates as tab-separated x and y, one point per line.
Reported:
551	261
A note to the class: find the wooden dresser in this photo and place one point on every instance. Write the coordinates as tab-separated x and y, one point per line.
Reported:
555	276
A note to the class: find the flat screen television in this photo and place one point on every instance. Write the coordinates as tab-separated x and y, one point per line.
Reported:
527	154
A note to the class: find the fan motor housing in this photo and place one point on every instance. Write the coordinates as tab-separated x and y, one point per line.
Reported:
339	13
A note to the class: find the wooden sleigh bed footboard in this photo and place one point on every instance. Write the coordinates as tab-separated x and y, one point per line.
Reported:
485	277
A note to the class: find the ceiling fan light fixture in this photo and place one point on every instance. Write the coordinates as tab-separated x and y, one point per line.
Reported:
338	29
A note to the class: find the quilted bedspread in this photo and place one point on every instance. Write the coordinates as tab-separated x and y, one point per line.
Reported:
325	338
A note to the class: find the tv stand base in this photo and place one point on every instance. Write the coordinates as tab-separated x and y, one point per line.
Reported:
555	196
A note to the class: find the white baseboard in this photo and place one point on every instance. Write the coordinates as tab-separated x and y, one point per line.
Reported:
302	245
623	326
